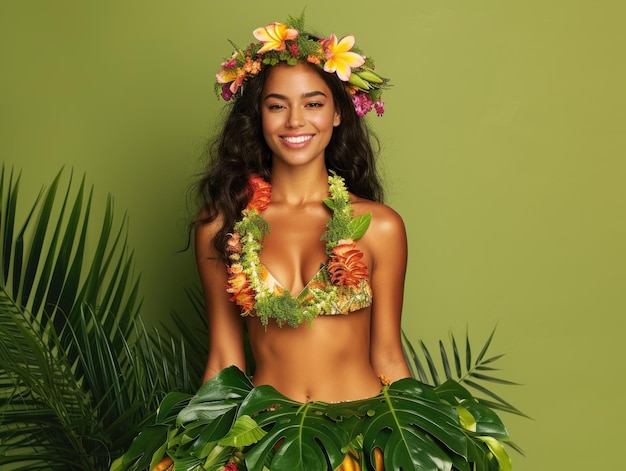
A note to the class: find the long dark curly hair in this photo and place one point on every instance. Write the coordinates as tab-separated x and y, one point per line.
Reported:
239	151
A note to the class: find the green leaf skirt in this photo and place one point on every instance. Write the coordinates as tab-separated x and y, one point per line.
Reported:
231	425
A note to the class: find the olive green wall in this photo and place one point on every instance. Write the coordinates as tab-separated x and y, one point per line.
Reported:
503	148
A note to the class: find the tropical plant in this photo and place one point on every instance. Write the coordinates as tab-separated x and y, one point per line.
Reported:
469	371
228	419
80	373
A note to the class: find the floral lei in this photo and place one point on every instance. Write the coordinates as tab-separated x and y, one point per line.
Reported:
289	43
246	273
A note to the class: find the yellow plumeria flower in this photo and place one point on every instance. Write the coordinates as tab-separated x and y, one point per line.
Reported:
226	75
273	36
339	59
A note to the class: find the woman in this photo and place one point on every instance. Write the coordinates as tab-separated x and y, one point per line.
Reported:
293	237
299	116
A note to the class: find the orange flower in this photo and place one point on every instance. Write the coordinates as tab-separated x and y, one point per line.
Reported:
345	266
313	59
384	380
252	67
239	286
236	278
261	194
166	464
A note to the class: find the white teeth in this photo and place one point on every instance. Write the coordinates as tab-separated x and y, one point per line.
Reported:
297	139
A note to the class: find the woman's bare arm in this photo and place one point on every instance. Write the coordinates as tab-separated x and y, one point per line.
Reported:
388	245
224	320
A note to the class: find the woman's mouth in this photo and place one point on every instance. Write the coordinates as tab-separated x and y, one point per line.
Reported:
297	139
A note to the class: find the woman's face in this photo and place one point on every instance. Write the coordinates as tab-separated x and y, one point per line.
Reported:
298	114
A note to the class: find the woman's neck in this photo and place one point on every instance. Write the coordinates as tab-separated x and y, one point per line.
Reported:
298	187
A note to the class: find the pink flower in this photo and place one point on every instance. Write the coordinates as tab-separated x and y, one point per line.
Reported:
230	63
363	104
226	93
380	107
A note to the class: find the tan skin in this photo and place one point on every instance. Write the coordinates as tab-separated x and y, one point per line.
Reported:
338	357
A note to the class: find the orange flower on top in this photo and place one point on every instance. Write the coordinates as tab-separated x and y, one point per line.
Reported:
261	194
345	266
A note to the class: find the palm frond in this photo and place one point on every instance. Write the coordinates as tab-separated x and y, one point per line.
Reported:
191	332
79	371
42	405
465	369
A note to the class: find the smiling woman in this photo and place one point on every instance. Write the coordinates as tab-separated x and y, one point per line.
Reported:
291	221
298	115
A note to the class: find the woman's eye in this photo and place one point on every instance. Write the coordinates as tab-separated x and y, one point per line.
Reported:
275	107
315	105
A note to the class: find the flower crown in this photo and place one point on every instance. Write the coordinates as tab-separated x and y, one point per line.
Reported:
289	43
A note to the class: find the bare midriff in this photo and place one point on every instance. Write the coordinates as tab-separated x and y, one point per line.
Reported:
328	361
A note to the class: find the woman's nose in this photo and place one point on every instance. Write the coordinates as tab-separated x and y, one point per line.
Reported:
295	119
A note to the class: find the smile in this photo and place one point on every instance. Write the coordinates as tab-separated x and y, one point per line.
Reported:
297	139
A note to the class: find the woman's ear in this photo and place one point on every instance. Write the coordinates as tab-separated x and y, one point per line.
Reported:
336	119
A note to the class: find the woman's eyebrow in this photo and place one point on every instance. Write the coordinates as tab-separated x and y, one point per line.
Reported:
312	94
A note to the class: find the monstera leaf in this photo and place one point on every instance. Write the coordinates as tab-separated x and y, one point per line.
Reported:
413	426
416	416
309	439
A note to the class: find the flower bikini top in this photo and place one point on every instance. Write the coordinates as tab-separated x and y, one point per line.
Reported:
340	286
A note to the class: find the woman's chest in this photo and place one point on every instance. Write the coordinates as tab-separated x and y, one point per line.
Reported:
293	250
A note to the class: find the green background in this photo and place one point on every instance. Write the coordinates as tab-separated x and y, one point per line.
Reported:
503	149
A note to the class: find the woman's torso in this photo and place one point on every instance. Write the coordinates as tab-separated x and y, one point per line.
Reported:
330	359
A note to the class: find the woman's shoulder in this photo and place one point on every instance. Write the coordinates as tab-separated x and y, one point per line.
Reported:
385	220
206	227
385	239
